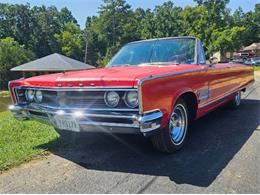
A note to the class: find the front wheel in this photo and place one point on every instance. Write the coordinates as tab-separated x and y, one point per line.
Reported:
172	137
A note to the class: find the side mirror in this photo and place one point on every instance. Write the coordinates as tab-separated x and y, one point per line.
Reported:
213	60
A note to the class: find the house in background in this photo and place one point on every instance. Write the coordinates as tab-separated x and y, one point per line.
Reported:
226	57
253	49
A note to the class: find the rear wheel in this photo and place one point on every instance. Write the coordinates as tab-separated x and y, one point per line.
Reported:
172	137
235	103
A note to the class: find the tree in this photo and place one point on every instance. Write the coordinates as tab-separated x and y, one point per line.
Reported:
15	21
147	25
228	39
168	20
114	27
45	23
252	24
70	41
65	16
11	55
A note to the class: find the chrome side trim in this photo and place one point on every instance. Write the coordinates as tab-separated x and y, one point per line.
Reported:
140	97
203	94
222	97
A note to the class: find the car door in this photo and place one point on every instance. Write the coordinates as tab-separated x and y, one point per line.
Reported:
203	92
218	79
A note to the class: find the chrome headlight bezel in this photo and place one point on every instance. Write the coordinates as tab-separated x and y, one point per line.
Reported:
38	96
131	95
29	94
108	101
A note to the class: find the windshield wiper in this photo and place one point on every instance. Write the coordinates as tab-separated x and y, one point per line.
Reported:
116	65
162	63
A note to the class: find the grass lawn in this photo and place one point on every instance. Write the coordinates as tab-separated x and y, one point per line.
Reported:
257	68
4	94
20	141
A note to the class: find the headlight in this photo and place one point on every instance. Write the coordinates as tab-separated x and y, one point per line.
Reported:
131	99
112	99
38	96
29	94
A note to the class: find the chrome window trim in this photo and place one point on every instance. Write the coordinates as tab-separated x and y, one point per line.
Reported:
196	51
159	39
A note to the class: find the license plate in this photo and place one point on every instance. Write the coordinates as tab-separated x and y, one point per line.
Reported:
66	123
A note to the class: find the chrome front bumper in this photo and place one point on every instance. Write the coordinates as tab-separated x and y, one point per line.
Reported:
94	121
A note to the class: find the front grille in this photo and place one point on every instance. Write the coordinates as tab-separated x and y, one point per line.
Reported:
82	99
87	99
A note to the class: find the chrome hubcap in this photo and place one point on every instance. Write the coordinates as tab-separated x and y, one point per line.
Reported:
178	124
238	98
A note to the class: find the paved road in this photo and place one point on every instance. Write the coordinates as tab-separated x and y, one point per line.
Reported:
222	156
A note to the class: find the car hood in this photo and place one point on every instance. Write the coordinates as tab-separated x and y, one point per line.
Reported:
124	76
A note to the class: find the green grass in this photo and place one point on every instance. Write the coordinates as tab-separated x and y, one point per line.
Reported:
21	141
4	94
257	68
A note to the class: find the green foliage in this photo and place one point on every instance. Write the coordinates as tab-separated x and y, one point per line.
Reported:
168	20
115	26
45	30
11	55
210	21
70	41
257	68
21	141
228	39
4	94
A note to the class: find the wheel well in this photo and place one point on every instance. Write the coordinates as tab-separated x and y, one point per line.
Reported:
192	103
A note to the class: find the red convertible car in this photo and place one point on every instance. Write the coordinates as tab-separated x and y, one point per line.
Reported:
154	87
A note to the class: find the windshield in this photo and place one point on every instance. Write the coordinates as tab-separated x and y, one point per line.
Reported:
164	51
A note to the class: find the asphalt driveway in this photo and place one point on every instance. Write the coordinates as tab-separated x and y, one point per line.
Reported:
222	155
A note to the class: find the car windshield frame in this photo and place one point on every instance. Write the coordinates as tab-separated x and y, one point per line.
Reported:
154	45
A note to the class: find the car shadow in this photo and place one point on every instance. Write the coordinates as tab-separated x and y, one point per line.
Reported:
212	143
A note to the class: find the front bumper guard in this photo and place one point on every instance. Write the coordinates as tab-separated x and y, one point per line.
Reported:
136	123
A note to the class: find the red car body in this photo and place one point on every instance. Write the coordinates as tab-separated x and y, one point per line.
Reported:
205	87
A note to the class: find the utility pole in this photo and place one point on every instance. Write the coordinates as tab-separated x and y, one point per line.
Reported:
86	48
86	52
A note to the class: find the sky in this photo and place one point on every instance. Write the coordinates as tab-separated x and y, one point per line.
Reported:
83	8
